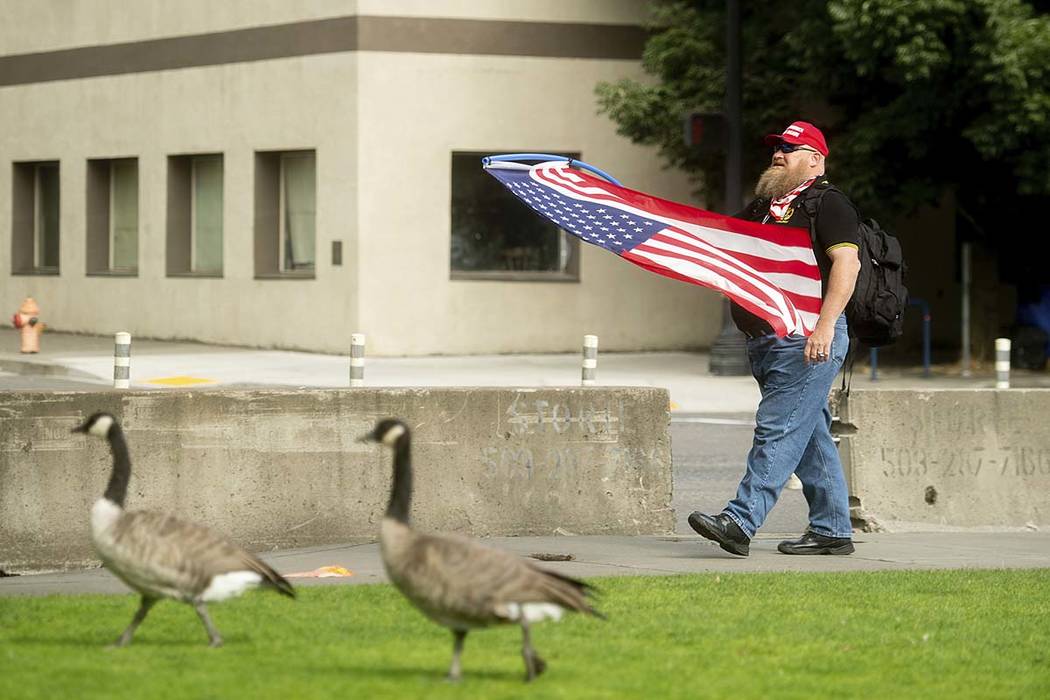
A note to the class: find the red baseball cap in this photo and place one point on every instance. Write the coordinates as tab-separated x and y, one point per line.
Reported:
801	134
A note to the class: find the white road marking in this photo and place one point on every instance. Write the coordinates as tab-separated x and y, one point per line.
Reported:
711	421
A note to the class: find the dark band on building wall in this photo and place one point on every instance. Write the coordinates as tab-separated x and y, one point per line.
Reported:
335	35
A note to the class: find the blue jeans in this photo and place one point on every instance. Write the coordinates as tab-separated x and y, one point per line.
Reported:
793	434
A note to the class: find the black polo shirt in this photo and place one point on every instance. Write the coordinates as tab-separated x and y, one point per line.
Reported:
837	225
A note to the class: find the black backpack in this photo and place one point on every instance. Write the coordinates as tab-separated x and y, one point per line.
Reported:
876	311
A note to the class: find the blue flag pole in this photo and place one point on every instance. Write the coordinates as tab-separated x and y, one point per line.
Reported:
541	157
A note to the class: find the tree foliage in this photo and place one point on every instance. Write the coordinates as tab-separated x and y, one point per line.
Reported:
916	98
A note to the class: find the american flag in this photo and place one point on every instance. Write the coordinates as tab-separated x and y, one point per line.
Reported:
769	270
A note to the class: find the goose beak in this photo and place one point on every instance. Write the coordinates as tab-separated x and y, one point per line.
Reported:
79	429
367	437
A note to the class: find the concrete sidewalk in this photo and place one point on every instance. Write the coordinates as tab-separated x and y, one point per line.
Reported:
624	556
70	361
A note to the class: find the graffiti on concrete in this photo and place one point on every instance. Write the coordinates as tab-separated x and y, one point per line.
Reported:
905	462
581	418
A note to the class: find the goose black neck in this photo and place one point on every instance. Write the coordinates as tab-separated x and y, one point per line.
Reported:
117	490
401	491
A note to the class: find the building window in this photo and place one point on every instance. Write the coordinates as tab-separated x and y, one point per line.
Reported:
297	211
495	236
285	213
195	215
113	216
35	218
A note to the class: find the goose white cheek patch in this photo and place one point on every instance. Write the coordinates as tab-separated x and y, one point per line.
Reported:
391	436
100	428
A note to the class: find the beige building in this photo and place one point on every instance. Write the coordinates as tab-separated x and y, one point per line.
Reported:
283	174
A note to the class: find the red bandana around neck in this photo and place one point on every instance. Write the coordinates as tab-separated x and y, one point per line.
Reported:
780	209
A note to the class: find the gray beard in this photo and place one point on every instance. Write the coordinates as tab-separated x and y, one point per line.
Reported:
776	182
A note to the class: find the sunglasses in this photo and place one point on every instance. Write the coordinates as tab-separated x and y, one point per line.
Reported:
791	148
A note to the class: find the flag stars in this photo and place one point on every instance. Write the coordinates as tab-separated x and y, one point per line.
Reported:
613	228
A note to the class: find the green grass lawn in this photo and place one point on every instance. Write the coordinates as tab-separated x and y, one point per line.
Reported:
877	635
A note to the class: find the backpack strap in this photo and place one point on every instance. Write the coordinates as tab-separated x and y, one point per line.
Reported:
813	198
847	364
753	211
811	205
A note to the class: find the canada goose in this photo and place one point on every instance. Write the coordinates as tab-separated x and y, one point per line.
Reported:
459	583
161	556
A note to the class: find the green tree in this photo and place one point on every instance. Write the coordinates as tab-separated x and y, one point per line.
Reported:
916	98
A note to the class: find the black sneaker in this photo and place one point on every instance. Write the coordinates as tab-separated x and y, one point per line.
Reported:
723	530
812	543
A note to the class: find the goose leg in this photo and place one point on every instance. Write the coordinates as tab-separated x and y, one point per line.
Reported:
140	615
455	670
213	634
534	663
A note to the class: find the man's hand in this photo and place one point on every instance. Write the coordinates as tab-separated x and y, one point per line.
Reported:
843	276
818	346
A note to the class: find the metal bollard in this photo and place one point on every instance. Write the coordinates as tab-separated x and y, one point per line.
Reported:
122	361
590	360
1002	363
357	359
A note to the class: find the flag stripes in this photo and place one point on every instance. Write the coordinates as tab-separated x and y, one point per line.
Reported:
769	270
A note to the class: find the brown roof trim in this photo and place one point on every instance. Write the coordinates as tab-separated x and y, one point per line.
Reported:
395	34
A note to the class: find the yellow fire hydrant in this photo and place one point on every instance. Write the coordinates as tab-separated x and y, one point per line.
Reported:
28	321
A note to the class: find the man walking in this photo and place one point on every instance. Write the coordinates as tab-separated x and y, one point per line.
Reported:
795	373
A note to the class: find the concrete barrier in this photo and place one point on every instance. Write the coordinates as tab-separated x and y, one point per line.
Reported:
283	469
949	457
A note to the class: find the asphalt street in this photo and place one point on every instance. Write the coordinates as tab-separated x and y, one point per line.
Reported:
709	453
